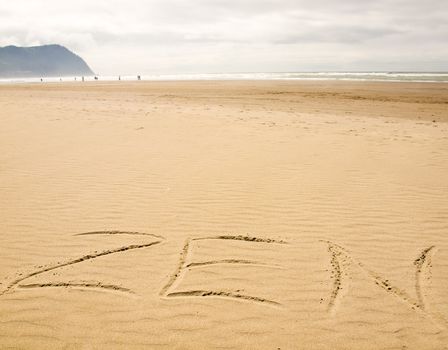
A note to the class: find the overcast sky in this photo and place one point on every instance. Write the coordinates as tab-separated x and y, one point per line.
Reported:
185	36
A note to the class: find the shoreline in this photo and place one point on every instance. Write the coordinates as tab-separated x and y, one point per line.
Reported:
379	76
323	80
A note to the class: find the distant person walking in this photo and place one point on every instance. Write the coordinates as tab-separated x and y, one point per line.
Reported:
139	77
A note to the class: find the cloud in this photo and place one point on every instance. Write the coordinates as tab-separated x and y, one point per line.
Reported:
174	36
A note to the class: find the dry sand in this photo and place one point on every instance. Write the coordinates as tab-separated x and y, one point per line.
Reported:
224	215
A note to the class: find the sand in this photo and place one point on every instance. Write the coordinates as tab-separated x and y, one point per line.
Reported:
224	215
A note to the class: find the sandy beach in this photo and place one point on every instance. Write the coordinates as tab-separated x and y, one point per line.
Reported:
224	215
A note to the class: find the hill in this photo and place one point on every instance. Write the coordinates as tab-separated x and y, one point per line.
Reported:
41	61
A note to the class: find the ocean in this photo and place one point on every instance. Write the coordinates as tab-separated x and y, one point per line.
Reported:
430	77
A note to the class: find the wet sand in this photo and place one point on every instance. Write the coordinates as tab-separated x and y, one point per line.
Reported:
224	215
